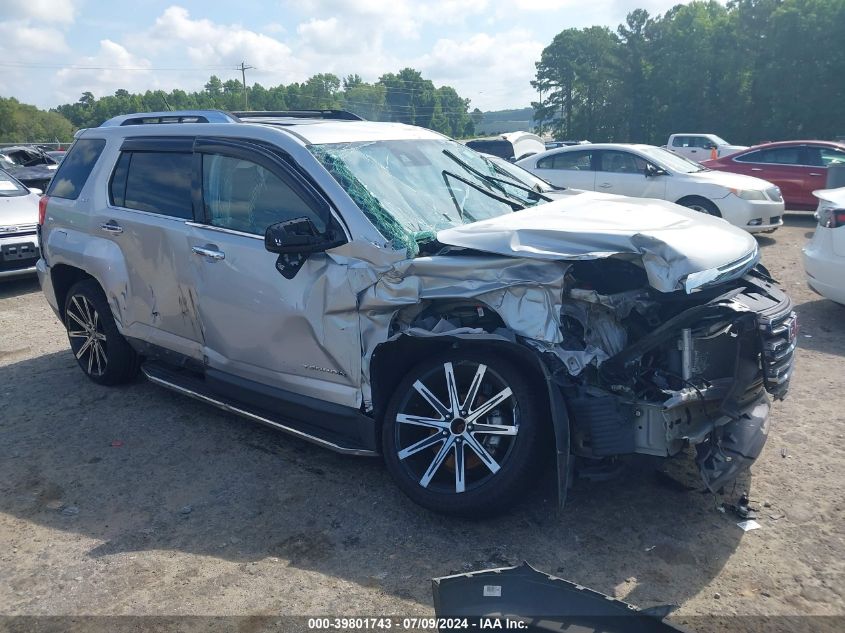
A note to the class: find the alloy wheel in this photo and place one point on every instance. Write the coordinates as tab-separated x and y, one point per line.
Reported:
87	338
456	427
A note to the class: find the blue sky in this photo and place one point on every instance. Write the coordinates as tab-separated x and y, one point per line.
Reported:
53	50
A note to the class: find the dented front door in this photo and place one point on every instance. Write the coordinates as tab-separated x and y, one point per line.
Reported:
256	323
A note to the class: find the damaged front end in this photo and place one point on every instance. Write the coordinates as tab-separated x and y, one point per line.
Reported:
677	370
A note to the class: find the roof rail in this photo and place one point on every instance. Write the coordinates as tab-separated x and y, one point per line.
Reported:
341	115
177	116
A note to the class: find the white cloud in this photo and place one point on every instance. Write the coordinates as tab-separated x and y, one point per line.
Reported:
399	18
111	68
60	11
492	70
209	45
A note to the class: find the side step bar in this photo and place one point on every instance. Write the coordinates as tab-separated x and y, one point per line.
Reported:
193	387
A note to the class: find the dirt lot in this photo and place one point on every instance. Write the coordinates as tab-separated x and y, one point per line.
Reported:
138	501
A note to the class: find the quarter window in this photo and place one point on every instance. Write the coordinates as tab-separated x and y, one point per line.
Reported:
830	156
75	168
244	196
155	182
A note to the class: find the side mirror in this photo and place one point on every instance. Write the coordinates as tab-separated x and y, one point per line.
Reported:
297	236
293	240
651	171
36	191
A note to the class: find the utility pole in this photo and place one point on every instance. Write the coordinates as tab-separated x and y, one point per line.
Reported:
243	68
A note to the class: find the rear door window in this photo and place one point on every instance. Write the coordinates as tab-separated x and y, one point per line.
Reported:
155	182
570	161
75	168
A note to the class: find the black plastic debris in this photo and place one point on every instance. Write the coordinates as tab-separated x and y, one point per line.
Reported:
522	598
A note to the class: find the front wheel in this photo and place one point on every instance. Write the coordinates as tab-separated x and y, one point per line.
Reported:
461	434
702	205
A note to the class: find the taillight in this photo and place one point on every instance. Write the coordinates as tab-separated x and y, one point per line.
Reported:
830	218
42	210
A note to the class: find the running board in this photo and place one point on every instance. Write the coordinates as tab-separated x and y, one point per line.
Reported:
193	387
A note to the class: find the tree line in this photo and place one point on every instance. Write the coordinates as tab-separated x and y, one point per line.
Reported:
750	71
406	97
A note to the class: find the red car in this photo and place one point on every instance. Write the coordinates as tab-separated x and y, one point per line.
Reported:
797	167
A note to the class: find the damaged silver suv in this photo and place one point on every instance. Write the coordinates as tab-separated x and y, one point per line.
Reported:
377	288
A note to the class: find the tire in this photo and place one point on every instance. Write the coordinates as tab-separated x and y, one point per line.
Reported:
446	462
702	205
100	349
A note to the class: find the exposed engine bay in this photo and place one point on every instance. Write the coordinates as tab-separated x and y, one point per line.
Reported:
647	372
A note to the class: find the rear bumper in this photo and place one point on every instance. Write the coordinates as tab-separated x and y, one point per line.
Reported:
45	280
824	268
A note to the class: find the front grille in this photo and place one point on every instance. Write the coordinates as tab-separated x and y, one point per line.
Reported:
774	194
779	338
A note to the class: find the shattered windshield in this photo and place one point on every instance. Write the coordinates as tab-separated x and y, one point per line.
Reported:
410	189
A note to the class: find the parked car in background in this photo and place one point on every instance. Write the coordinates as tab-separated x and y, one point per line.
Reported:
30	165
797	167
510	146
512	171
699	147
373	288
18	223
56	154
645	171
824	255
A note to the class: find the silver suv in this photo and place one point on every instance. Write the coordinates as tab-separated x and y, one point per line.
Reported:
377	288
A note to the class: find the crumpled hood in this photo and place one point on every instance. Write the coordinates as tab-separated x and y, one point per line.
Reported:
671	241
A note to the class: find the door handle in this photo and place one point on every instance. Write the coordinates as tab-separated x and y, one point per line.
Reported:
112	227
812	173
756	169
605	185
209	251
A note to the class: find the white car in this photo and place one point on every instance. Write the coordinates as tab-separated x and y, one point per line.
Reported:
824	255
646	171
511	171
18	222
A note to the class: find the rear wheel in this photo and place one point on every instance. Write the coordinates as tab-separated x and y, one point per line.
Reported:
702	205
99	348
461	434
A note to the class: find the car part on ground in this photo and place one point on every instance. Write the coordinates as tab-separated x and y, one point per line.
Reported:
403	260
824	254
18	228
523	598
645	171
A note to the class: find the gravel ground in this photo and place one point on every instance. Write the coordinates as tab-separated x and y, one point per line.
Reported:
138	501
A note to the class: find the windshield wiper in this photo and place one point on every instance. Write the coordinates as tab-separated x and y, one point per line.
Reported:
497	181
511	202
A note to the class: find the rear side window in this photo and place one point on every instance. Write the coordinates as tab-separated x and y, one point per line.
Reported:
155	182
75	168
569	161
